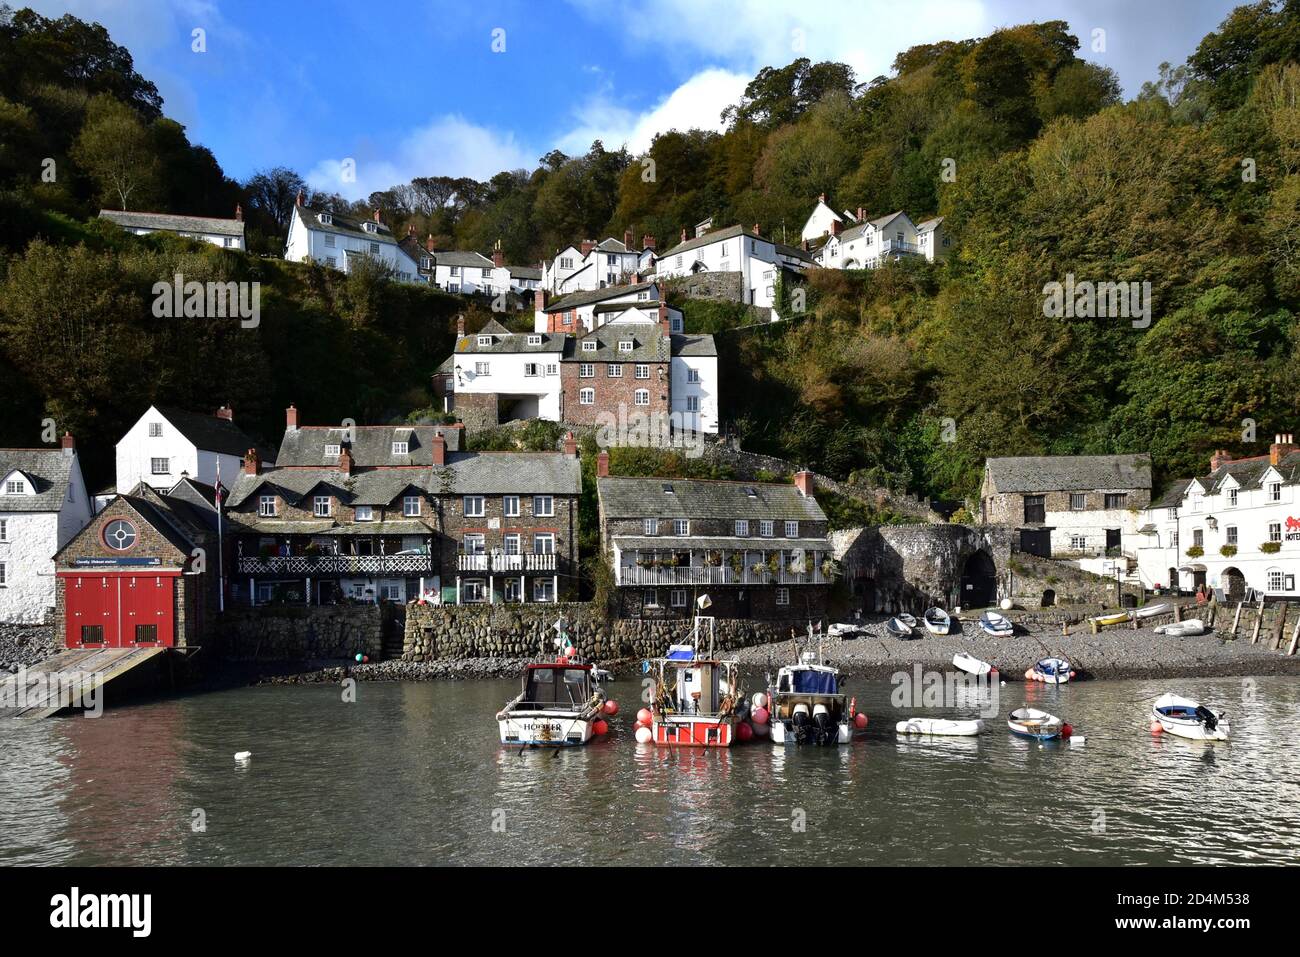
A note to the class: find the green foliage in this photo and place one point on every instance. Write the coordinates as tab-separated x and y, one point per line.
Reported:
535	436
846	511
1270	548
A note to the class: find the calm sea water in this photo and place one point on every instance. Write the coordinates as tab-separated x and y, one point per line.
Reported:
412	774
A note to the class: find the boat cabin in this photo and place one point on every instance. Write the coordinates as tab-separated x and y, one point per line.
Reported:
548	686
808	679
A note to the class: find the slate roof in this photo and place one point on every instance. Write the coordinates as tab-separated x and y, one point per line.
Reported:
1058	473
1173	496
651	304
208	432
49	472
715	236
648	344
624	497
929	225
371	446
588	296
504	341
343	225
693	345
1249	473
271	526
525	272
459	257
180	224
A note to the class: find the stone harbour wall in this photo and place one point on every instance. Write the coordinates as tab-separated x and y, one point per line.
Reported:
271	633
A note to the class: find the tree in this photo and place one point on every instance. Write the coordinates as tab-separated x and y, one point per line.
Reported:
274	192
115	148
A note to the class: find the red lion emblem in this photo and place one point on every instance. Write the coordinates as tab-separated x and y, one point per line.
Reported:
1292	524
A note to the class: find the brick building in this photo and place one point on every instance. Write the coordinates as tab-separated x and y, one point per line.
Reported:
625	364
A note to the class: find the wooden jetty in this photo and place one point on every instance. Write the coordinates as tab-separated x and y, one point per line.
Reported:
88	669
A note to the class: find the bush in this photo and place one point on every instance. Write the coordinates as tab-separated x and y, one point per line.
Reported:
1227	551
1196	551
1271	548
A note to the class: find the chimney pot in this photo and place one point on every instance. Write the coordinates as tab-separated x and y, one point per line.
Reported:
602	464
803	481
757	232
1282	447
1219	457
862	214
587	246
647	241
570	444
252	464
460	324
498	258
298	201
291	419
227	413
835	227
439	449
428	243
68	443
683	234
377	219
821	197
239	213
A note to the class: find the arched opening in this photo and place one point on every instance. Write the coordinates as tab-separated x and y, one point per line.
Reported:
1049	597
979	581
1233	583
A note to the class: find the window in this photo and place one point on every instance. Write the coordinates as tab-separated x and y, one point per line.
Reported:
566	262
587	397
1275	491
544	543
783	596
742	528
676	323
390	591
1078	501
155	430
374	249
692	375
119	535
1275	531
1232	498
1275	580
534	340
473	590
543	505
15	487
330	242
510	506
333	449
641	397
1171	513
1035	508
4	575
791	529
160	466
320	506
510	544
4	529
1198	538
681	526
485	340
266	506
543	589
615	370
410	506
650	526
650	598
552	369
677	598
642	371
1078	543
590	345
1116	499
586	370
474	506
692	403
625	345
365	513
475	544
1230	535
532	369
765	528
401	448
482	368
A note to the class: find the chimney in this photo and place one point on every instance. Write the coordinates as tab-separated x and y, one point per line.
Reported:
377	219
345	460
821	198
835	227
683	234
291	419
570	444
428	243
587	246
756	230
665	323
252	464
627	237
298	201
602	464
410	230
68	443
498	258
1218	458
647	242
636	278
1282	446
539	300
804	245
862	214
460	324
439	449
227	413
803	481
239	213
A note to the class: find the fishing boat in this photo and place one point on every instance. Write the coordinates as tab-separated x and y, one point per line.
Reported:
1151	611
1189	719
558	707
1183	629
1111	618
940	726
695	700
1052	671
968	663
1032	723
808	706
937	621
899	628
996	626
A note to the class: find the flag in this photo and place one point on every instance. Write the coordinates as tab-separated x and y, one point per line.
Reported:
220	491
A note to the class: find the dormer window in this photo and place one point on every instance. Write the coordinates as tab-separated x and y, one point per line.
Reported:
333	449
625	345
534	340
400	448
325	218
15	487
370	227
485	340
589	345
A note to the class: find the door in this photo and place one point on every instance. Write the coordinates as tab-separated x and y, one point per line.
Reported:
1036	541
90	611
1035	509
147	619
1112	542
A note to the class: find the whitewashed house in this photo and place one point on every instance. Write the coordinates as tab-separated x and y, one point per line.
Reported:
694	390
754	261
594	265
226	233
821	219
499	375
43	504
581	312
338	241
851	241
166	443
1236	528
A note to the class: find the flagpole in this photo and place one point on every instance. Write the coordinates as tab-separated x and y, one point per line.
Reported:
221	563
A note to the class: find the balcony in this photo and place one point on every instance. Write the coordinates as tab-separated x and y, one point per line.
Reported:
540	564
715	575
312	566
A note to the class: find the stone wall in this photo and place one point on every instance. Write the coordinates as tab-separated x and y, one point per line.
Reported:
709	285
297	633
1042	582
477	410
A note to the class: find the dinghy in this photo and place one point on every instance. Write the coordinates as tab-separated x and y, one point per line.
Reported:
908	620
1190	719
1111	618
1183	629
937	621
940	726
899	628
1052	671
996	626
1151	611
1032	723
971	665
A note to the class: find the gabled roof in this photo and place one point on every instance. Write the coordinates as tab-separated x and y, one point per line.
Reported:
48	470
343	224
508	473
716	236
181	224
1173	496
624	497
207	432
930	225
1058	473
370	446
506	342
1252	472
525	272
649	344
693	345
458	257
588	296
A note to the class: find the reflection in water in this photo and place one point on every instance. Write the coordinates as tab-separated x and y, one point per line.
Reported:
412	773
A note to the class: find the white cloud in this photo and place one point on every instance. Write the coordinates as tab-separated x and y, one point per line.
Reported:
696	104
447	146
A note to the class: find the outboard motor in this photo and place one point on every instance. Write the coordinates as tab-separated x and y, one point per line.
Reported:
826	730
802	722
1207	717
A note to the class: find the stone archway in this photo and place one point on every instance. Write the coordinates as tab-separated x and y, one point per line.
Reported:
1233	583
979	581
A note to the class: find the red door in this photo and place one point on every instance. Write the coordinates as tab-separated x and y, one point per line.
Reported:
90	603
147	619
119	611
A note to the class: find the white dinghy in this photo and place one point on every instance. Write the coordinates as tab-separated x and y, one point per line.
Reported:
968	663
1189	719
937	621
1151	611
1183	629
996	626
940	726
1032	723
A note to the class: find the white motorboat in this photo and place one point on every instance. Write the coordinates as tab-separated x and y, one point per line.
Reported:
1151	611
808	706
971	665
1189	719
940	726
1032	723
558	707
937	621
996	626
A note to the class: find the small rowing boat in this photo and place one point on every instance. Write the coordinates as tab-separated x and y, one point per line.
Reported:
971	665
1183	629
940	726
899	628
1151	611
1111	618
1189	719
1032	723
937	621
996	626
1052	671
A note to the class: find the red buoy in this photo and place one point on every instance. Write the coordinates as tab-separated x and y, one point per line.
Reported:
644	716
1067	729
860	720
759	716
743	731
611	707
599	727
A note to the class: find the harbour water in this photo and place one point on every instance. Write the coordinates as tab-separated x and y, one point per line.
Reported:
411	773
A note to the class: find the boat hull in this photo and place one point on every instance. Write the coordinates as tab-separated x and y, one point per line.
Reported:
783	732
971	665
1038	725
690	731
1188	725
940	727
556	730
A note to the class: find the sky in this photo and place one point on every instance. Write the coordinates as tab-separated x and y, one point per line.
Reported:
432	87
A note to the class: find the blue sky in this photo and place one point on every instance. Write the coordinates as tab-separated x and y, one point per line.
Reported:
414	88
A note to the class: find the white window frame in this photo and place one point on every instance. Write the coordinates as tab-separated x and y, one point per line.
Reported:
510	506
767	528
1275	491
792	529
590	345
681	526
586	370
544	506
155	430
482	368
511	544
474	543
401	448
266	506
783	596
321	506
332	449
615	370
410	506
4	529
626	345
642	370
586	397
474	506
649	526
677	598
544	589
1275	531
1078	501
742	528
641	397
365	513
4	575
543	543
1230	535
166	466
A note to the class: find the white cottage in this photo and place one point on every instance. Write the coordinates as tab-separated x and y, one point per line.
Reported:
166	443
226	233
594	265
43	504
339	241
757	261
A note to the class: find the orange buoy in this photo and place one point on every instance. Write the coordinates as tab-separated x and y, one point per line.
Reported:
1157	727
644	716
599	727
611	707
759	716
860	720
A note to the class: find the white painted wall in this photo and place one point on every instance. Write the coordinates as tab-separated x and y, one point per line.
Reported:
27	551
306	242
137	449
216	239
507	374
819	222
705	391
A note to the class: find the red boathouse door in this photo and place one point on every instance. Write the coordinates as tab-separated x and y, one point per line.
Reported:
119	610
